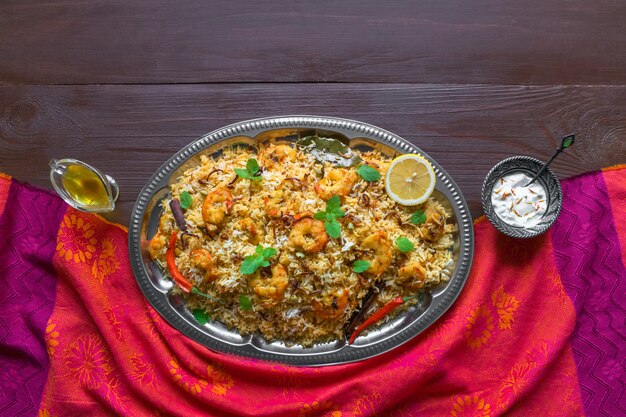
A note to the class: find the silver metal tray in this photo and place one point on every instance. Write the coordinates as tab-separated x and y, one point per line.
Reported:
157	288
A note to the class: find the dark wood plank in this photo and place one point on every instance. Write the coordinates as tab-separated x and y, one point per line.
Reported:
129	131
431	41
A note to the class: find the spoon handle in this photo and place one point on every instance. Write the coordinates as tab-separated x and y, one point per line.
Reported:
566	142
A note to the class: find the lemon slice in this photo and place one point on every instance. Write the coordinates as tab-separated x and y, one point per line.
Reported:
410	180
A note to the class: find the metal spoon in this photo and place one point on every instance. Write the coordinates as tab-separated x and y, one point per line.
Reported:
566	142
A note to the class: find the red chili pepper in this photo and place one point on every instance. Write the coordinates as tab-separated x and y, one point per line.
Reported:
182	282
379	314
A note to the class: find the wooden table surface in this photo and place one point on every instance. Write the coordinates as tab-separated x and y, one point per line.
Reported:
123	85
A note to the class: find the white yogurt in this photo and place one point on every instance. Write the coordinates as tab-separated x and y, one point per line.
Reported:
517	204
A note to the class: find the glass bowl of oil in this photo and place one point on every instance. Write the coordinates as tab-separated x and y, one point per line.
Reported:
83	186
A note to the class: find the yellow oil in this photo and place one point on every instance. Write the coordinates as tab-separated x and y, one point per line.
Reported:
84	186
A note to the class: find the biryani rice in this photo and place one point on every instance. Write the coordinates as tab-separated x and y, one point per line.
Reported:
315	280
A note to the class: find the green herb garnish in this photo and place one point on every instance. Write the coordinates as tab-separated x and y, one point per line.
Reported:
330	215
418	217
201	316
330	150
195	290
251	172
185	200
360	266
368	173
245	303
259	260
404	245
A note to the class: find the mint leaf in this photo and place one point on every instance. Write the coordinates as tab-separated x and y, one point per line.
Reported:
251	171
333	228
195	290
333	211
269	252
418	217
338	213
360	266
243	173
260	260
320	215
201	316
250	264
333	203
404	245
368	173
185	200
252	166
245	303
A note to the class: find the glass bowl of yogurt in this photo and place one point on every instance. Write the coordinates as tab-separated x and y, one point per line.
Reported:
516	208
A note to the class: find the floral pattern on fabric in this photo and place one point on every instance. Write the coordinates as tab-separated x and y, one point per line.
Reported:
112	345
105	263
87	359
479	327
367	405
51	338
189	383
321	409
466	406
76	239
143	371
220	380
505	305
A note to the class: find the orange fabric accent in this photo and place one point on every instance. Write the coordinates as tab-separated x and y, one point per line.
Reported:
614	167
480	219
614	178
5	184
501	349
103	219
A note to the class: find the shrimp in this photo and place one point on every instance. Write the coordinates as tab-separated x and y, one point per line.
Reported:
380	245
270	287
336	182
157	245
309	235
332	305
255	233
412	274
216	205
202	260
165	224
275	154
274	203
434	226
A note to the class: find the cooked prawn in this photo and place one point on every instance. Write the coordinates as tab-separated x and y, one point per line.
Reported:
275	154
380	246
255	233
270	287
309	235
216	205
412	274
332	305
336	182
202	260
157	245
274	203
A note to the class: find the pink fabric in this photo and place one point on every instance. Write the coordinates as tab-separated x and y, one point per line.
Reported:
589	257
27	293
504	348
